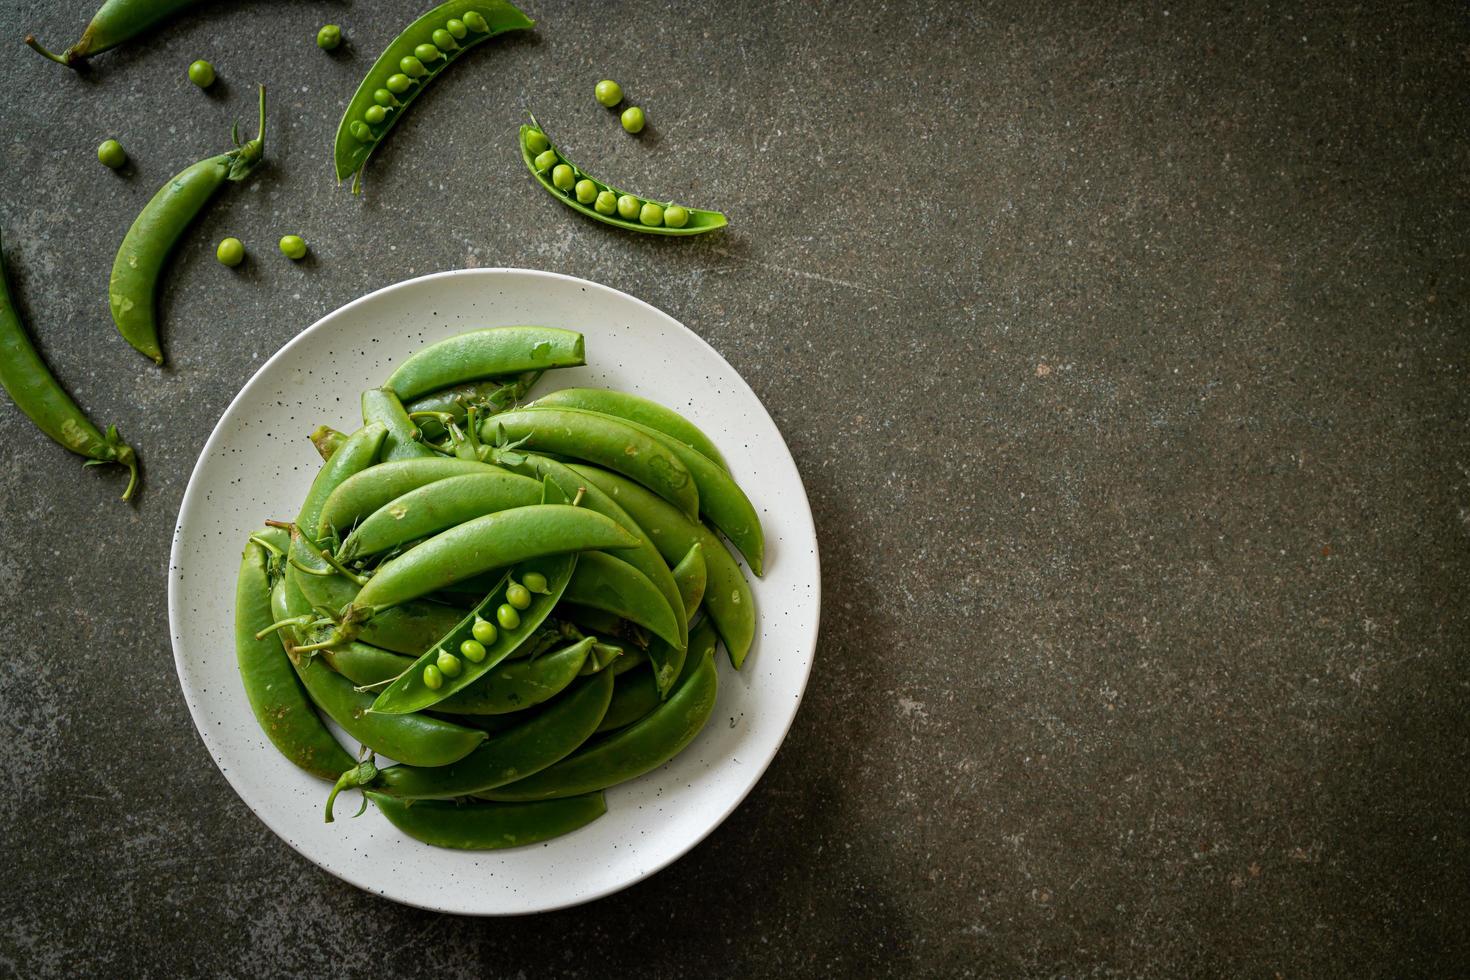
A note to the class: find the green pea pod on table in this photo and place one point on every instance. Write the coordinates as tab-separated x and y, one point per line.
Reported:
692	576
480	354
635	409
145	249
37	393
406	68
519	684
114	22
486	827
436	507
614	586
382	405
365	492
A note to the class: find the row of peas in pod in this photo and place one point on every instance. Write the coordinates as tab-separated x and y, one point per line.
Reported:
517	601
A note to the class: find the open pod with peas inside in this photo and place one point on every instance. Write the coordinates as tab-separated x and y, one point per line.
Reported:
597	199
413	60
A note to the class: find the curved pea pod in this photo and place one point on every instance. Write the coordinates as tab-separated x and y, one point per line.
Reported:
727	596
691	575
364	664
276	696
522	751
488	353
363	493
437	506
487	827
601	439
413	739
612	585
326	440
634	697
520	684
627	754
493	541
411	692
114	22
357	454
635	409
402	442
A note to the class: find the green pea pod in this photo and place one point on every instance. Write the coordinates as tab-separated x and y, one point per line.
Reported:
364	664
417	740
545	739
114	22
381	405
145	249
519	684
629	660
363	493
727	597
601	439
634	697
603	656
36	392
635	409
612	585
488	353
358	135
692	575
493	541
357	454
276	696
629	753
487	397
326	441
486	827
436	507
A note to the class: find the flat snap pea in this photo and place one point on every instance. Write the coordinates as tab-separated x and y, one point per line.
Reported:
363	493
634	697
519	684
357	454
601	439
486	827
493	541
691	575
542	740
481	20
410	693
402	441
643	410
541	165
114	22
612	585
488	353
631	752
436	506
145	249
276	696
326	441
36	392
727	596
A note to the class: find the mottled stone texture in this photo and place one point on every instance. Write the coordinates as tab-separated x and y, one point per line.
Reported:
1124	355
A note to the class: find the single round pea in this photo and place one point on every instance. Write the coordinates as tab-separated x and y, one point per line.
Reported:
651	215
448	664
385	98
607	203
456	28
293	247
360	131
329	37
676	216
375	114
633	119
586	191
201	73
563	177
444	40
427	53
536	582
433	678
398	84
475	22
608	93
231	252
545	160
112	154
629	206
508	616
483	630
518	595
473	650
412	67
537	142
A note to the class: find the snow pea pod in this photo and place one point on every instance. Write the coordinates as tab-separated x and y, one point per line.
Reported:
520	684
436	506
493	541
488	353
696	220
601	439
363	493
612	585
691	575
727	596
485	827
382	405
635	409
549	737
36	392
406	67
357	454
132	289
276	696
114	22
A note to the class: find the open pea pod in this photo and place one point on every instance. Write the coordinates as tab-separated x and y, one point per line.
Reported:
487	827
519	684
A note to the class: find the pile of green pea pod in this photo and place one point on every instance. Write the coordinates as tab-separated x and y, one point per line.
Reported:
519	603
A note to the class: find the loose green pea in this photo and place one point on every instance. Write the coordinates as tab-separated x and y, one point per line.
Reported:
444	40
545	160
629	206
651	215
293	247
375	114
398	84
360	131
608	92
484	631
448	664
633	119
537	142
231	252
112	154
473	650
586	191
201	73
518	595
412	67
427	53
607	203
536	582
329	37
455	28
433	678
563	177
676	216
475	22
385	98
508	616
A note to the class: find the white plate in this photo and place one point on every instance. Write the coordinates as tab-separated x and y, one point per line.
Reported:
258	464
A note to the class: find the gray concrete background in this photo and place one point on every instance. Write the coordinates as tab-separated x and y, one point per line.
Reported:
1124	355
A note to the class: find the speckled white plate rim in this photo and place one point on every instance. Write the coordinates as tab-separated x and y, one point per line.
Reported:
796	663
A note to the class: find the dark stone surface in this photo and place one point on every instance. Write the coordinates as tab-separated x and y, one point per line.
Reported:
1124	355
